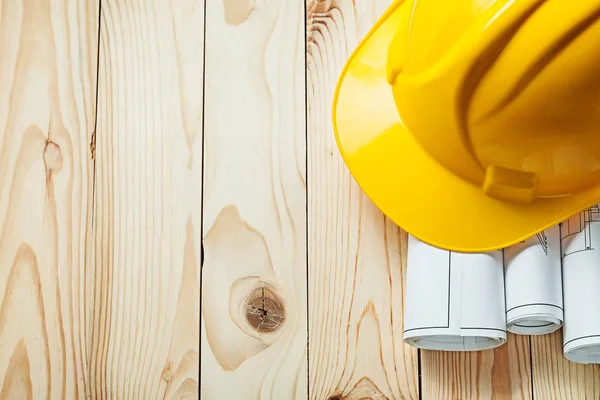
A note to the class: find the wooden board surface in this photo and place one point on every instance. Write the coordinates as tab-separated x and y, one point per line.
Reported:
254	330
145	292
108	245
502	373
554	377
357	257
47	106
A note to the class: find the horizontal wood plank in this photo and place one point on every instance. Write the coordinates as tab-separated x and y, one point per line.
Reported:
254	271
502	373
146	293
357	257
48	57
555	377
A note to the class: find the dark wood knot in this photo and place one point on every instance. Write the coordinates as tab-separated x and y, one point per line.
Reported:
53	157
265	311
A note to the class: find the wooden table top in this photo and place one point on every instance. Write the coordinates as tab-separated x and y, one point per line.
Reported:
176	220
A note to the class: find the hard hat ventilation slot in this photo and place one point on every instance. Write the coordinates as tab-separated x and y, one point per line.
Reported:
508	184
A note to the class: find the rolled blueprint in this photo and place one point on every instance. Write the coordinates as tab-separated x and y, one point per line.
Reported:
533	284
453	301
580	241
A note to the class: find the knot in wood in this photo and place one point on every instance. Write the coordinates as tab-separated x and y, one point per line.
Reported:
53	157
265	311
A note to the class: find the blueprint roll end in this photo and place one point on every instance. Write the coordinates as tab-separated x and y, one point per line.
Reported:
534	319
585	350
534	325
467	340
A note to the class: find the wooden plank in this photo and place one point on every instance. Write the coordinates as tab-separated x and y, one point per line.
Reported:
48	54
357	257
503	373
253	330
146	293
555	377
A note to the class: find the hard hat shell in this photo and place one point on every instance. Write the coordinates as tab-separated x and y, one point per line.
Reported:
474	124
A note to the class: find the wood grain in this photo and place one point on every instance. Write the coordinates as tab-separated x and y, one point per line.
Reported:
555	377
48	52
254	330
145	289
503	373
357	257
101	227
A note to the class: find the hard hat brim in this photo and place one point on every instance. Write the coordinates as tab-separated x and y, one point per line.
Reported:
408	185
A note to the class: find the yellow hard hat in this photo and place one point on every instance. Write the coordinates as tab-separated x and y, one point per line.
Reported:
475	124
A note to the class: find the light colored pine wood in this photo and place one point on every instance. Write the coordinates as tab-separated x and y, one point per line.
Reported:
555	377
502	373
357	257
254	332
48	52
145	290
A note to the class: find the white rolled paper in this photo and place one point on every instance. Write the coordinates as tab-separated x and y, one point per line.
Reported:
453	301
533	284
580	240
